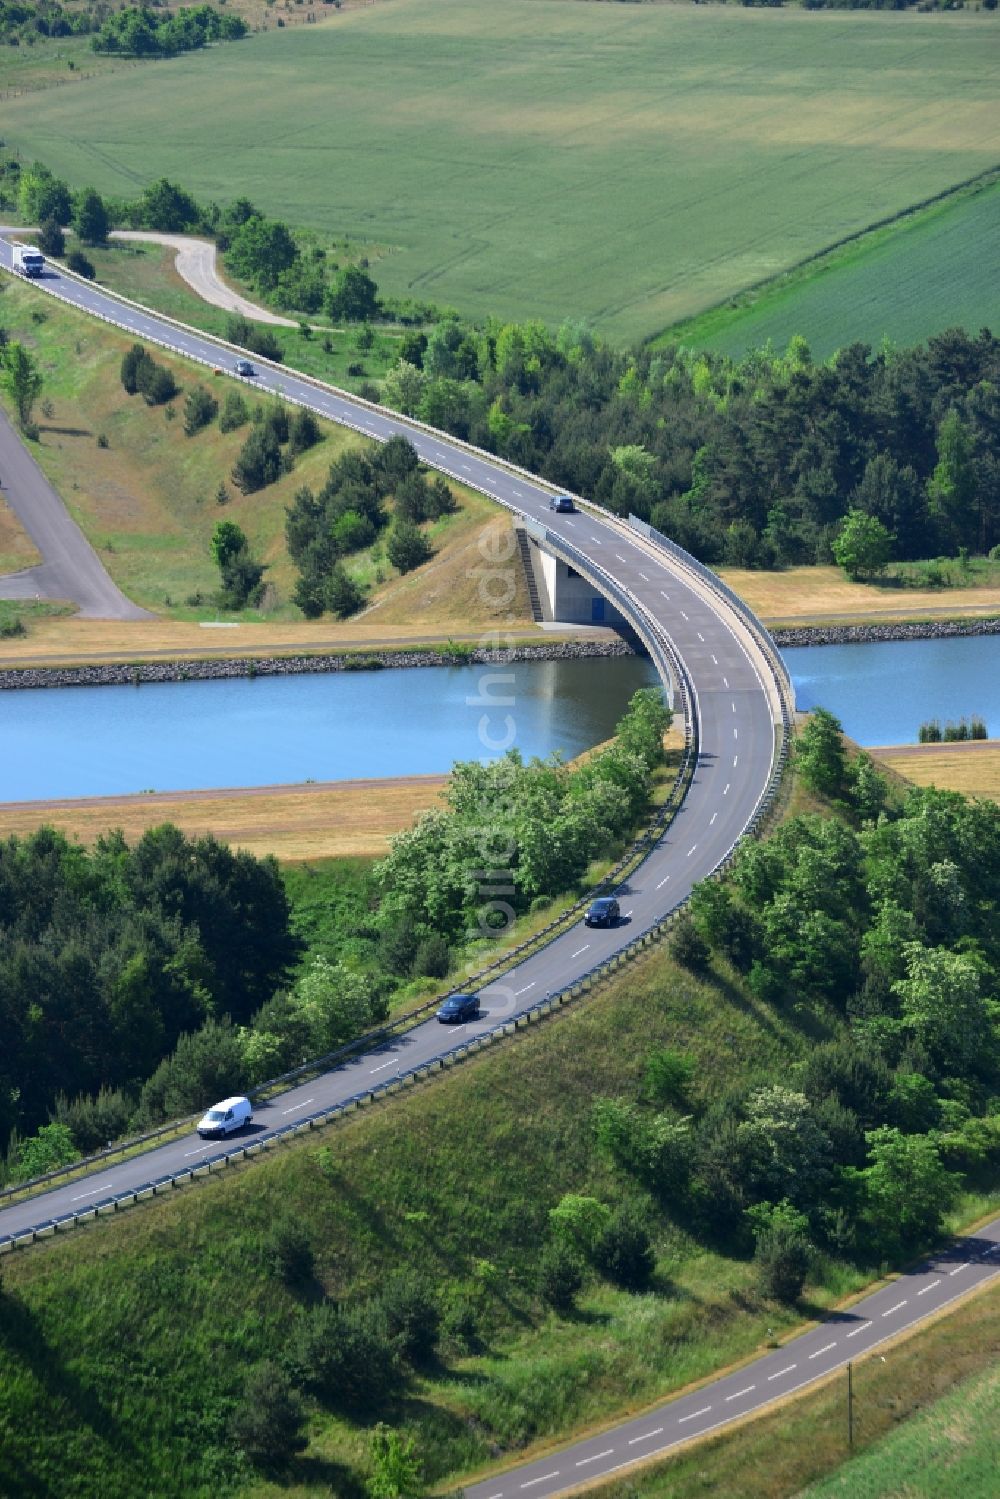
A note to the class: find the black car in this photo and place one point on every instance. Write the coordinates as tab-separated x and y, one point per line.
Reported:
562	504
245	368
603	912
459	1007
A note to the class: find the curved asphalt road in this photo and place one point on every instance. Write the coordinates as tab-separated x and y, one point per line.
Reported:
735	707
70	569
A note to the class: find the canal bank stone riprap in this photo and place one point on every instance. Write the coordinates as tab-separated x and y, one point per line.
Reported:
134	674
945	629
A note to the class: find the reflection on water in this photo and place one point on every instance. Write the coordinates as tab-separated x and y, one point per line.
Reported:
883	692
99	741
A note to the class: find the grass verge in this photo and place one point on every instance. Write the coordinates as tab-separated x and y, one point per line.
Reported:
824	595
947	1450
148	497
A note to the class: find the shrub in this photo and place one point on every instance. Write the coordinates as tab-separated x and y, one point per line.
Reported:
668	1076
783	1250
304	431
266	1425
412	1315
200	408
624	1252
346	1355
433	957
234	412
688	946
288	1253
51	239
95	1121
342	595
240	330
560	1275
78	262
407	547
258	462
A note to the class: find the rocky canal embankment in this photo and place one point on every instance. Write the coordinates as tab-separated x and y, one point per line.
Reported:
125	674
945	629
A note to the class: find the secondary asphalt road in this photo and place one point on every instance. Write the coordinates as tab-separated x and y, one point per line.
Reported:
736	746
735	711
844	1336
71	569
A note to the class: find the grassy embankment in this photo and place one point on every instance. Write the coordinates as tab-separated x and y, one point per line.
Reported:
148	502
556	118
441	1178
903	282
915	1433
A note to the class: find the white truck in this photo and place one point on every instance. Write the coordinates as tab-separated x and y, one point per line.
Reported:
28	261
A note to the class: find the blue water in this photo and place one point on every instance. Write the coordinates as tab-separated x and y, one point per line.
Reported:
883	693
177	736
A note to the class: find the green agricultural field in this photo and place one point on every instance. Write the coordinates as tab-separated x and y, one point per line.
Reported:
951	1451
905	283
632	165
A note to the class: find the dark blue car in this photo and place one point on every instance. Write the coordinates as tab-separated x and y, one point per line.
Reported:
603	912
562	504
459	1007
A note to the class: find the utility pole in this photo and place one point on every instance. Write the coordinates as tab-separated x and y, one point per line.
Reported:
850	1405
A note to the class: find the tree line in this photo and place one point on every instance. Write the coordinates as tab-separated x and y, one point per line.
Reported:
134	31
137	984
768	460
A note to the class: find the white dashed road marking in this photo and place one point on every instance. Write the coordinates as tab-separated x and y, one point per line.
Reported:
726	792
933	1285
580	950
712	818
820	1351
663	882
525	989
958	1268
863	1328
596	1457
296	1106
694	1415
544	1479
383	1066
780	1372
646	1436
740	1393
103	1187
691	849
894	1309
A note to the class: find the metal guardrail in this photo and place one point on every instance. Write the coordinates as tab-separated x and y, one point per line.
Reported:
663	652
668	662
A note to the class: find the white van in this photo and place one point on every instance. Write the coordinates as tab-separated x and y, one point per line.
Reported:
225	1117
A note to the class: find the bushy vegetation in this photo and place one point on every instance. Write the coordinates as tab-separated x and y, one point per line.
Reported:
109	957
548	819
140	374
349	513
683	1156
135	31
139	984
931	732
762	461
24	22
